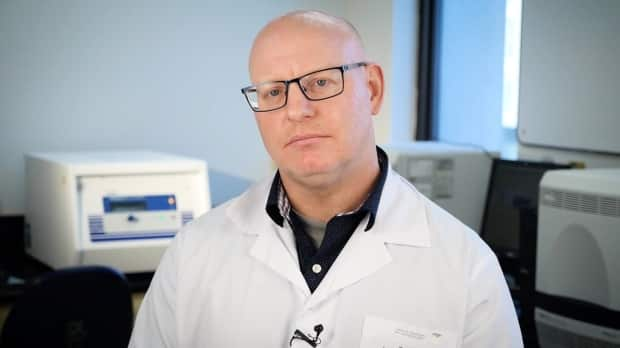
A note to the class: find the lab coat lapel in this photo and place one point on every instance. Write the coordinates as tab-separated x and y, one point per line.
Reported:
274	246
270	250
363	255
401	219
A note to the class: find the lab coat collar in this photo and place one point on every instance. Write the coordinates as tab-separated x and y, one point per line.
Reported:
274	246
402	217
402	220
247	211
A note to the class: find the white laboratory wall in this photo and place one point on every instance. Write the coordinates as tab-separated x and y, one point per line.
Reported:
87	75
90	75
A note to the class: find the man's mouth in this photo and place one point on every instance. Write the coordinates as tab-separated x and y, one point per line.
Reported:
305	139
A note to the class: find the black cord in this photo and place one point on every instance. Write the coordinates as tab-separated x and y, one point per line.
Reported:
312	341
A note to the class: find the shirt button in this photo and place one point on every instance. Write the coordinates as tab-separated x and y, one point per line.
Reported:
316	268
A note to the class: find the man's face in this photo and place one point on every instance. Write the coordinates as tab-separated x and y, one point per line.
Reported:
313	141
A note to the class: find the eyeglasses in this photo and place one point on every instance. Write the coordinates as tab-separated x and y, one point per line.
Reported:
317	85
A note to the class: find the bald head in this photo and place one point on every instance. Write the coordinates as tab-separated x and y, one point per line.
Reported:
306	32
317	19
320	18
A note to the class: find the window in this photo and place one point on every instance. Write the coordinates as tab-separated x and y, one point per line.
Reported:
512	46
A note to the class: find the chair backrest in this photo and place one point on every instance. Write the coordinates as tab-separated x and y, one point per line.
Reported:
72	308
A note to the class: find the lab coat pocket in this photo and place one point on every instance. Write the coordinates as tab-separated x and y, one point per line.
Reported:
384	333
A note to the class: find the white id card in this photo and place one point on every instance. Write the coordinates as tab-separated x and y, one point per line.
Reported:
383	333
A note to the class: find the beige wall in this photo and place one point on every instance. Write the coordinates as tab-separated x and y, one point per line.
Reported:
373	20
389	31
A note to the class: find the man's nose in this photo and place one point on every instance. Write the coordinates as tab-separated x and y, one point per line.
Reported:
298	106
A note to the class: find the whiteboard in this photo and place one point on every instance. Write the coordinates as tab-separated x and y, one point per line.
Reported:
569	93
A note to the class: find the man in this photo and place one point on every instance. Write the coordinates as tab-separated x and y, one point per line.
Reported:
336	250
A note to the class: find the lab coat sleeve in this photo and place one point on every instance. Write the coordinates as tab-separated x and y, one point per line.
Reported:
155	324
491	319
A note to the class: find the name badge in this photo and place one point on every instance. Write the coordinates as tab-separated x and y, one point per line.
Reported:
383	333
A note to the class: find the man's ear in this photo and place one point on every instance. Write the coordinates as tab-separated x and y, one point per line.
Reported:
376	85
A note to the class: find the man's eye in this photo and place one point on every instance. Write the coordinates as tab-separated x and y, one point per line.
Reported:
274	92
321	82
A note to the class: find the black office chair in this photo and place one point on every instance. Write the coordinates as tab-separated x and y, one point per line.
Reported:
72	308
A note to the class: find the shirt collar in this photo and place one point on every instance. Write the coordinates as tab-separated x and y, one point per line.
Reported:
278	206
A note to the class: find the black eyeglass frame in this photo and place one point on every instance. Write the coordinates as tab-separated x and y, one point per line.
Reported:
287	83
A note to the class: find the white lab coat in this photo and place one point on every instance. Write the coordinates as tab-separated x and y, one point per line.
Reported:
418	278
